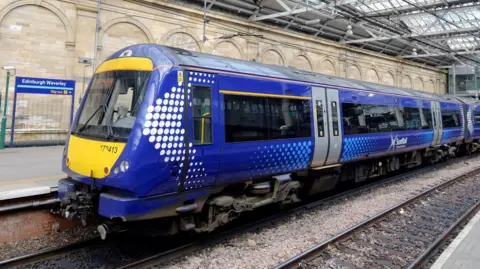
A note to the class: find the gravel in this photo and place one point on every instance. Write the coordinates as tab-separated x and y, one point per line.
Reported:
270	246
34	244
406	232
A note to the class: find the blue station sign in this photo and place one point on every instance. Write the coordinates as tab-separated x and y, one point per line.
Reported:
44	86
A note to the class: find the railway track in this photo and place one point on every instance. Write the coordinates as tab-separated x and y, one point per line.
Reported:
165	257
163	254
404	236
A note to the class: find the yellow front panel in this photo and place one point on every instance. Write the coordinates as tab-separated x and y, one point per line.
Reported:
128	63
90	157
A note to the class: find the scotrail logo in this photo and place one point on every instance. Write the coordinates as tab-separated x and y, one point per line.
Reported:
397	142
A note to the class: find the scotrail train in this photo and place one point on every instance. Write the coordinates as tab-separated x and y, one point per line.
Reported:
187	141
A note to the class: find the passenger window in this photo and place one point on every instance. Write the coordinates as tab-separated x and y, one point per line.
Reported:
364	118
476	115
412	118
202	115
262	119
335	118
450	118
321	131
427	120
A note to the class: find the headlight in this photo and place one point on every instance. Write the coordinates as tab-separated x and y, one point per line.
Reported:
124	165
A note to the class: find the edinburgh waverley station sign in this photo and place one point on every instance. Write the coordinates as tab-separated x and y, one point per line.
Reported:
44	86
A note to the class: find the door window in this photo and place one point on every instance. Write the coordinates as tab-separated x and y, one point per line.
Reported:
335	118
202	115
321	131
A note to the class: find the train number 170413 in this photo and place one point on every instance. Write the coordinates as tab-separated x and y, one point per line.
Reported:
111	149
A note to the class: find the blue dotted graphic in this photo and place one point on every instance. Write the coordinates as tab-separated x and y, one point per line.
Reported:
279	158
355	147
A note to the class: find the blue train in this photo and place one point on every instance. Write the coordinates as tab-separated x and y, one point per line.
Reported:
189	141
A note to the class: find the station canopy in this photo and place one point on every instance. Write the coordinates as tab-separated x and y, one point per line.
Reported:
436	33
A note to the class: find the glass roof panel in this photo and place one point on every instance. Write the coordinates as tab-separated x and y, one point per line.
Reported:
420	22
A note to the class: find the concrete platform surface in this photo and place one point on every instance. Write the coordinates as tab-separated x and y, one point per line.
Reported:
29	171
464	251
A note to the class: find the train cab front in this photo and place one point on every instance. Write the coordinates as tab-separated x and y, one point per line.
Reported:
101	148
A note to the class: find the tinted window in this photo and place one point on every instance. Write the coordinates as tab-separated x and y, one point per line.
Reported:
113	101
362	118
359	118
476	117
335	118
450	118
249	118
202	115
320	122
413	120
353	119
427	121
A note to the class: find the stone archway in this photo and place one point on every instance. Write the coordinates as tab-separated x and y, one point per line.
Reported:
388	79
120	34
272	56
302	62
353	72
328	68
371	75
182	39
227	49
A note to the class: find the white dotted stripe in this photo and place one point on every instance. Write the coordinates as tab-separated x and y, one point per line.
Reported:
165	129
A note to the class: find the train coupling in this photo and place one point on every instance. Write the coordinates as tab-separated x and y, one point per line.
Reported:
75	203
77	206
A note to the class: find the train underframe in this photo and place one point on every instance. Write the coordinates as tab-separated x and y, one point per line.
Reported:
227	203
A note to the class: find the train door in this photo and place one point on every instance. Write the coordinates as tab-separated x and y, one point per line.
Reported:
333	111
328	137
437	123
320	123
201	155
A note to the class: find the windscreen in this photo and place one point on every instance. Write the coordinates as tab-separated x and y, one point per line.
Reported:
112	104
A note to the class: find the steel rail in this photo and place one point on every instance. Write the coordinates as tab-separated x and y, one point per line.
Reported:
37	204
54	251
427	254
47	253
317	249
194	246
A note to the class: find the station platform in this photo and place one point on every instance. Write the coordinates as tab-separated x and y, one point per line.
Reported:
464	251
29	171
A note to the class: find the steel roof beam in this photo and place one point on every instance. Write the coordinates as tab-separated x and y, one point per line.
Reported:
446	10
439	5
427	34
303	9
439	54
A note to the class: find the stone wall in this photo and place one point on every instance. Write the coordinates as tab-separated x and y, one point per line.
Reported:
44	38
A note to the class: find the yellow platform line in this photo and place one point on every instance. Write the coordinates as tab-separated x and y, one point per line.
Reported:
30	180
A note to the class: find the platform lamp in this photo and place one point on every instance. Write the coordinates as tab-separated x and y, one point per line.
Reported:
4	115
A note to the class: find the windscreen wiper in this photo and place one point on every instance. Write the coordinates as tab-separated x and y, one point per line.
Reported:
104	109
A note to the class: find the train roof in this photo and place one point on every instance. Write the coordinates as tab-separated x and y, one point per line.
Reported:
468	100
183	57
